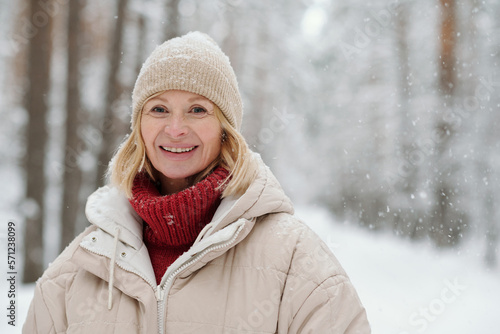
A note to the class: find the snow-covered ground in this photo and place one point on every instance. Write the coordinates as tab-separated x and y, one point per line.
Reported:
412	287
406	287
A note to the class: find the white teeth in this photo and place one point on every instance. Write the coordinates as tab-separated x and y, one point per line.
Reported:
178	150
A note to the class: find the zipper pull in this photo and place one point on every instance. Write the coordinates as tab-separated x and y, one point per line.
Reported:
160	294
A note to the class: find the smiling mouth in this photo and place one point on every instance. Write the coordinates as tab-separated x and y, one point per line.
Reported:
178	149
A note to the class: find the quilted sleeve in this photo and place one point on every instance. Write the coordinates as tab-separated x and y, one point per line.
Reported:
318	296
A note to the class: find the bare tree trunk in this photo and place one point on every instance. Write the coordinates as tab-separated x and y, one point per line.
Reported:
449	221
72	177
111	122
406	218
403	220
172	28
447	75
491	222
260	98
141	27
39	56
260	137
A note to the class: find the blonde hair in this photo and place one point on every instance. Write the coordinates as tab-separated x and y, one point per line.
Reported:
235	156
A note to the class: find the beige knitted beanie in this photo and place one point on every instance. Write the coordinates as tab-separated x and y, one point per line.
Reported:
193	63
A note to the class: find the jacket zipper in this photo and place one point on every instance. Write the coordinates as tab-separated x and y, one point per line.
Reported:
162	292
161	311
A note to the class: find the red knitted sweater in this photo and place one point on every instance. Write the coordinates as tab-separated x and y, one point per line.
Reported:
174	221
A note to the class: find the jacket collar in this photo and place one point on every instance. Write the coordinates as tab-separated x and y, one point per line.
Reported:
108	208
264	196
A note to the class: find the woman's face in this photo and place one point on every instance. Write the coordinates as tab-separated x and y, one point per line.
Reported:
182	136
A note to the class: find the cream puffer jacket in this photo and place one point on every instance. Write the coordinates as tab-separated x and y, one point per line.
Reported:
254	269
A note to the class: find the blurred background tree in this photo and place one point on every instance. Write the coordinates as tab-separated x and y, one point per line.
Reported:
37	106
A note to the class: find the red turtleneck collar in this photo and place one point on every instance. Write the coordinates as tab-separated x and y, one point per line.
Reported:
174	221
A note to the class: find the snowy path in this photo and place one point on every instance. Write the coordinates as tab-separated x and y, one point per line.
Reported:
411	287
406	288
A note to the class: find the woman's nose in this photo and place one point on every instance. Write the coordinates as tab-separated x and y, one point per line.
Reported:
176	126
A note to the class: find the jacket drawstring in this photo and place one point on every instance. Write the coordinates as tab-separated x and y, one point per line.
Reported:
203	232
112	269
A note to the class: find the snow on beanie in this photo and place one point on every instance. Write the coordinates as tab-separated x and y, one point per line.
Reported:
193	63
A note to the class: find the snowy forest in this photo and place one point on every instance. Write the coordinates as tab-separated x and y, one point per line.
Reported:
385	113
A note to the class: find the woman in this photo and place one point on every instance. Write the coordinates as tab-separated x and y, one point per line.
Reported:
194	234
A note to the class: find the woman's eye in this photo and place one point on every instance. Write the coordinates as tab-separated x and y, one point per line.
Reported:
198	110
158	110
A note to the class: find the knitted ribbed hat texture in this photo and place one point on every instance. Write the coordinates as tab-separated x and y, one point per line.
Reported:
193	63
